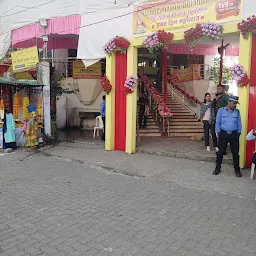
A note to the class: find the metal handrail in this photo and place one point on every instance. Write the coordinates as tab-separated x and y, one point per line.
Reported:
160	121
171	89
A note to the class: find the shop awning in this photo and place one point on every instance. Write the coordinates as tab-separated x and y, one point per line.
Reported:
18	82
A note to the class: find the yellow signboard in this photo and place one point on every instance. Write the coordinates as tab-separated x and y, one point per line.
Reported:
186	74
178	14
80	71
25	59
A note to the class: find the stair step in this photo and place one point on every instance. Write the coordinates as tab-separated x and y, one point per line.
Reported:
150	127
188	134
188	126
148	130
150	134
182	114
188	130
183	117
183	120
180	111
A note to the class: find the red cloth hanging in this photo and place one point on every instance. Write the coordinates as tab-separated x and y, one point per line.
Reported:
120	102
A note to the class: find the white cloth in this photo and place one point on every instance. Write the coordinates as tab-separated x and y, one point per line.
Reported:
20	137
18	13
207	115
93	37
250	136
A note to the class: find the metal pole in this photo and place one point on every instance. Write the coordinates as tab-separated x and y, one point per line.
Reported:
165	74
221	61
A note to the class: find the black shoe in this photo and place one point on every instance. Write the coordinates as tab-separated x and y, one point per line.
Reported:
216	172
238	174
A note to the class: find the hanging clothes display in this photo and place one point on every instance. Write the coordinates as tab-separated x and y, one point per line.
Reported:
31	133
9	138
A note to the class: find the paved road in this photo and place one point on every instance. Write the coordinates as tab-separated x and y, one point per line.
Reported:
55	206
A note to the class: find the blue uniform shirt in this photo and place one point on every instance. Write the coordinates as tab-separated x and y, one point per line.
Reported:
228	121
103	108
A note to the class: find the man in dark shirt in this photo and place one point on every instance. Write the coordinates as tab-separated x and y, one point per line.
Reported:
221	99
142	102
219	102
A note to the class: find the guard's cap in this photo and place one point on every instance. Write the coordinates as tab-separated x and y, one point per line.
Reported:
234	99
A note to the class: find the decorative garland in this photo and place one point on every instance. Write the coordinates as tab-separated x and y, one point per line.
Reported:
189	96
158	40
239	74
130	83
162	108
105	84
203	31
247	26
116	44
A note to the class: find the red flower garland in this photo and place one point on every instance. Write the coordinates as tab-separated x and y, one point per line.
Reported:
243	81
247	26
116	44
105	84
158	40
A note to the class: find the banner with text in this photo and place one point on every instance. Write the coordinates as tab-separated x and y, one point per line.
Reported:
186	74
80	71
25	59
178	14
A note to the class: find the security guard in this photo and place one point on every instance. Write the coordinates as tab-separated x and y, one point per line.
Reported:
229	128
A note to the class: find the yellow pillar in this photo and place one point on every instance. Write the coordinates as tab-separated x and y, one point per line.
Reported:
243	93
110	104
131	102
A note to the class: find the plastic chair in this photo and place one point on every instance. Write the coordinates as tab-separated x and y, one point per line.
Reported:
99	126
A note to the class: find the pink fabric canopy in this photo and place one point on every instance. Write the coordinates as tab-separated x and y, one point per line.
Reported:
202	49
65	26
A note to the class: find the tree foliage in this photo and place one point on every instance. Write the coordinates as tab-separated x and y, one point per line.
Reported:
226	76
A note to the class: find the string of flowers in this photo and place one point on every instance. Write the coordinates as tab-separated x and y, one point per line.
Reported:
203	31
247	26
239	74
130	83
106	85
162	108
158	40
116	44
189	96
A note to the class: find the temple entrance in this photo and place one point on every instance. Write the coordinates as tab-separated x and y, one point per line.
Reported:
190	73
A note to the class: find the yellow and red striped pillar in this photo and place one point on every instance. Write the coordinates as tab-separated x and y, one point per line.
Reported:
245	49
251	124
121	108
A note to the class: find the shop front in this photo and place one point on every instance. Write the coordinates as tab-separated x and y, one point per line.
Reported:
24	100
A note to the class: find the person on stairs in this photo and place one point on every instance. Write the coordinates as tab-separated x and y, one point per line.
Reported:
142	102
207	117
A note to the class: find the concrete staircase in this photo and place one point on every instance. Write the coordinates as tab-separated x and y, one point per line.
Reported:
152	130
183	123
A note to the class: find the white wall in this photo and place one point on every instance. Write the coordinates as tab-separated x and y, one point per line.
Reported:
88	99
199	88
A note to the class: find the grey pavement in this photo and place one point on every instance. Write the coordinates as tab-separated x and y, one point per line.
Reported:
77	199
